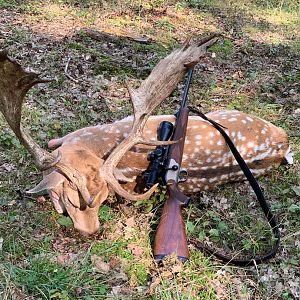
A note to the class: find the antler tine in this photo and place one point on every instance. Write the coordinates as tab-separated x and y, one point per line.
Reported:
14	84
153	90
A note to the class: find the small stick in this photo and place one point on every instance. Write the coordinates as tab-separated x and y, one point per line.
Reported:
66	71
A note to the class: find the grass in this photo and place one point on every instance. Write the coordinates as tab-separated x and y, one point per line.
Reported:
51	280
254	70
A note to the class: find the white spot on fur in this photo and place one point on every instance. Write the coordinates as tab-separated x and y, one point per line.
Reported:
239	135
249	119
244	150
87	133
261	155
258	171
185	157
232	119
204	168
214	179
261	147
250	144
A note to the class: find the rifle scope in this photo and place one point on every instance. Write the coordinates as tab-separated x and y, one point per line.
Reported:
157	157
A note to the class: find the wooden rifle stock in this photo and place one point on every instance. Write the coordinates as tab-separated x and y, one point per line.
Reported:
170	236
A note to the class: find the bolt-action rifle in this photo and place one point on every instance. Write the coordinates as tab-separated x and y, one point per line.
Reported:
165	168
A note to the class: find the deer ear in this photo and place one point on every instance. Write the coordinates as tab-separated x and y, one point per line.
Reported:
49	182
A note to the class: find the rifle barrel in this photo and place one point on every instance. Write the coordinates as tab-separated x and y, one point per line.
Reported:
187	87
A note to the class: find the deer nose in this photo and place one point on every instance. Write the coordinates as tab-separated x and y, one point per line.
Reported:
88	232
87	229
85	233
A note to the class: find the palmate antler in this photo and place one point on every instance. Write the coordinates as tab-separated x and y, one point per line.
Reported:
153	90
14	84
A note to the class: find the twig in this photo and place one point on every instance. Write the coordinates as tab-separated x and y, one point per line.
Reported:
66	71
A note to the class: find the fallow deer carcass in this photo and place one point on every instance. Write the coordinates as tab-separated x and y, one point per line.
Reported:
87	162
206	156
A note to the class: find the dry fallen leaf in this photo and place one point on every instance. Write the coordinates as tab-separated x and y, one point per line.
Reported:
114	262
155	282
136	250
116	290
130	222
41	199
166	274
99	263
177	268
66	258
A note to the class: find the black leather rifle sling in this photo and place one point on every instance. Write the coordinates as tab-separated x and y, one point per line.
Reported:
259	195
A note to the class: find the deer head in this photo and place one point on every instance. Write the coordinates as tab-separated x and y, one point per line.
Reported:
78	196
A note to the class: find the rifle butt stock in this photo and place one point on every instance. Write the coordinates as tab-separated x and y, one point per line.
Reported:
170	236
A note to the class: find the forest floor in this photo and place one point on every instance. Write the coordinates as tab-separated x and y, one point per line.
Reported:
255	68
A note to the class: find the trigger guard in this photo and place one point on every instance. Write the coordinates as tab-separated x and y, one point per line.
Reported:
183	175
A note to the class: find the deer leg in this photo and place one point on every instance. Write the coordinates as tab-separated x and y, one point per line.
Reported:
55	143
